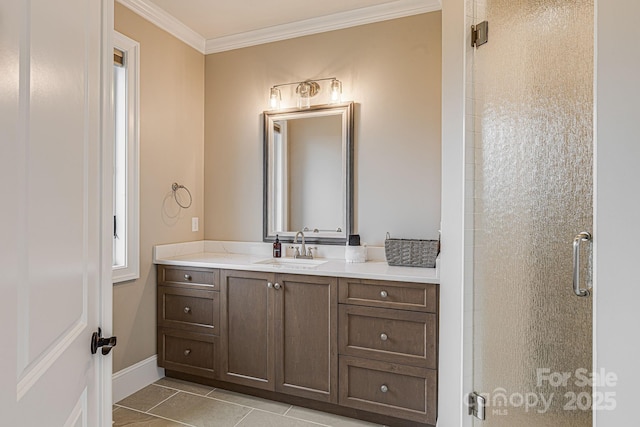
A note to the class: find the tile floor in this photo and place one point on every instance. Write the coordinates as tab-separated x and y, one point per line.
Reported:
169	402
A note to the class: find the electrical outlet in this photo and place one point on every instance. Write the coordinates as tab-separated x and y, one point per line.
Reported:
194	223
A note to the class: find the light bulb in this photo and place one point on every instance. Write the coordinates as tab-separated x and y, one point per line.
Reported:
336	91
274	98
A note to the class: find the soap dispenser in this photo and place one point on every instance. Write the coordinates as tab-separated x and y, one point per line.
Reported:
277	248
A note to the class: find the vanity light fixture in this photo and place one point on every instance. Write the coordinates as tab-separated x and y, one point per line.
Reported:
306	90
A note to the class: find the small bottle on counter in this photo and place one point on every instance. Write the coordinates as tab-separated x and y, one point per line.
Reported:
277	248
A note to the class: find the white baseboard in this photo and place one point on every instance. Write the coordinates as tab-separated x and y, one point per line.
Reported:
131	379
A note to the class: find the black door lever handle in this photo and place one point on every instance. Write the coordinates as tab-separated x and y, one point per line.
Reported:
106	343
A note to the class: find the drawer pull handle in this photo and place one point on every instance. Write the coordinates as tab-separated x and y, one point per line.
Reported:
277	286
187	352
384	388
384	294
384	337
269	285
187	310
187	277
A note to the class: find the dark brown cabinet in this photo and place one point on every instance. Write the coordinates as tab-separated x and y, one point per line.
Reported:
389	348
359	347
279	333
188	320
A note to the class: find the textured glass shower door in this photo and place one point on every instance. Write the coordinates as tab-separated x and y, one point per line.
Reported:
533	112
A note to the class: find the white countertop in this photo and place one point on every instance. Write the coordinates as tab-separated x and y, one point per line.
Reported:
222	255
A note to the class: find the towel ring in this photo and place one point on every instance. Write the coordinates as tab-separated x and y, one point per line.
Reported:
175	187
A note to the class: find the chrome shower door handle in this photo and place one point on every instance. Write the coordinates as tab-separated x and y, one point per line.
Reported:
585	236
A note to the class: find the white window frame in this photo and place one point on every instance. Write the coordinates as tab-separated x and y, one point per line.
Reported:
130	269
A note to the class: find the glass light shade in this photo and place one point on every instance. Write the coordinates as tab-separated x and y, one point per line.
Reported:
336	90
274	98
304	95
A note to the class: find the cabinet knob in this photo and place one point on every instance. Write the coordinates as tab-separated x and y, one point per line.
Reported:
187	310
187	352
384	388
383	294
277	285
384	337
187	277
269	285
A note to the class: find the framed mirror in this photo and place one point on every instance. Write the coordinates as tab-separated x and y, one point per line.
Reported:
308	173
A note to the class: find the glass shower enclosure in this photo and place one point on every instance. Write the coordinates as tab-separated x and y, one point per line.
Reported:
533	189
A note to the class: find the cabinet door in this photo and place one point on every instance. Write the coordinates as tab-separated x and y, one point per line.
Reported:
246	324
306	336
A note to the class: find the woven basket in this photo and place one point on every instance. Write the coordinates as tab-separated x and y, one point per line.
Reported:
411	252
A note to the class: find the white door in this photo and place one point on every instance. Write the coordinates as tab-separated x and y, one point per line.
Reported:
51	265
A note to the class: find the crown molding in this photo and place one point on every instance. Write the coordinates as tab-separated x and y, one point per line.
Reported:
167	22
336	21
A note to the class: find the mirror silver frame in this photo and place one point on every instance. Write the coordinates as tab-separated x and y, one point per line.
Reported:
346	111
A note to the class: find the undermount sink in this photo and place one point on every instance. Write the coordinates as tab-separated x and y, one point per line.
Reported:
292	263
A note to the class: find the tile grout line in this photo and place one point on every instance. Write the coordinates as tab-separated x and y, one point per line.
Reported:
184	391
228	401
201	395
285	414
328	425
236	404
206	396
154	415
245	416
154	407
251	408
232	403
295	418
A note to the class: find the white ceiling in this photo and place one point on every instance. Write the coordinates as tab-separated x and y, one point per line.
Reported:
216	25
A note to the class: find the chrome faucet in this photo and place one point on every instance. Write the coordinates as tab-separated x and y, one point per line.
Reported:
302	253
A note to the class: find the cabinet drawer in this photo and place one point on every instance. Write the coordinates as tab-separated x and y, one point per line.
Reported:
399	295
188	352
194	278
400	391
396	336
190	309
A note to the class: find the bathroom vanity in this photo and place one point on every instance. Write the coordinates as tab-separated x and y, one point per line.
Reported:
355	339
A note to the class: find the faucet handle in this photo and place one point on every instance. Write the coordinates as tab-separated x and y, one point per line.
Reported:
296	252
310	252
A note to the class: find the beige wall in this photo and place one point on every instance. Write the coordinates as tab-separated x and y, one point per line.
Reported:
391	69
171	150
201	126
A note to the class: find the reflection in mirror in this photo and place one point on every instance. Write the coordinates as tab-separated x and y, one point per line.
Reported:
308	173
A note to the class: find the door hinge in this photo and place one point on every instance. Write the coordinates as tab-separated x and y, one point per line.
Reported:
480	34
477	405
